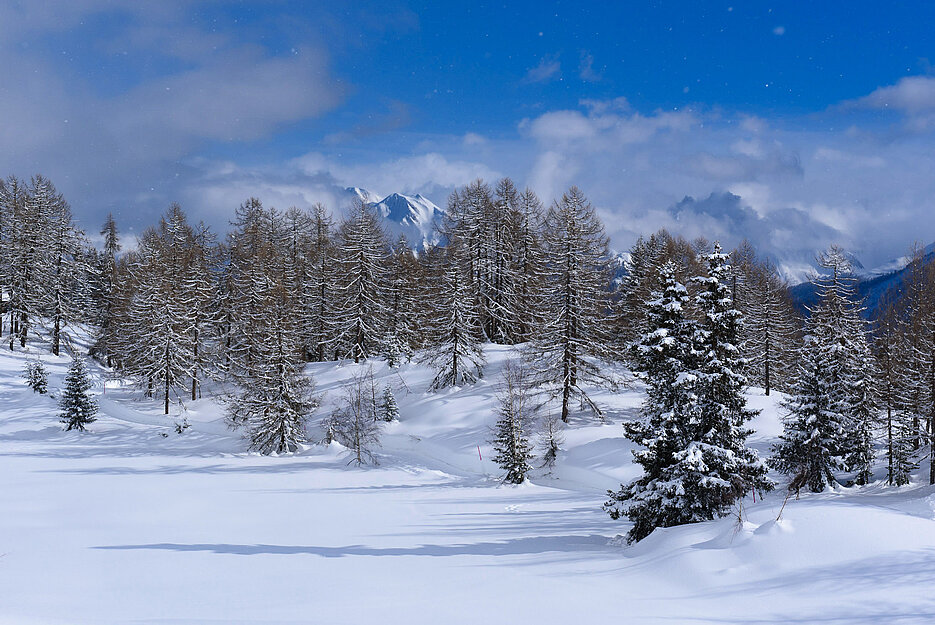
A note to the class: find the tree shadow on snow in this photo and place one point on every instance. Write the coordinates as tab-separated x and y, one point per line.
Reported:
575	544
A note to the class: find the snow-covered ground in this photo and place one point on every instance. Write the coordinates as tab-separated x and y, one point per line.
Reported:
134	523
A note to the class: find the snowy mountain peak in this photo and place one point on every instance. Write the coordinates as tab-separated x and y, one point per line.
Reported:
412	215
363	195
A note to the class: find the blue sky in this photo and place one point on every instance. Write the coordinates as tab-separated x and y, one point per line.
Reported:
794	124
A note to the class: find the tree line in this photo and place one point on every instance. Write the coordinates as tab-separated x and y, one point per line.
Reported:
185	307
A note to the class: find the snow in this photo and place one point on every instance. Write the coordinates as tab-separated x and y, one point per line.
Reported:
416	216
133	523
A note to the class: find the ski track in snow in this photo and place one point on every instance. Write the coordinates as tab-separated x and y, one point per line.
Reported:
133	523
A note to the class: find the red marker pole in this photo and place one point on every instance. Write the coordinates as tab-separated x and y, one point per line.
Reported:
479	457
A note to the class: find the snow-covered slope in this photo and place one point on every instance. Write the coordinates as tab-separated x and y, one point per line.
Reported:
132	522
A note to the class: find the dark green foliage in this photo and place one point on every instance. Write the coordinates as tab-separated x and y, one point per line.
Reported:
78	408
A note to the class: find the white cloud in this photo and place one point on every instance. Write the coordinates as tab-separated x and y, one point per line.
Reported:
912	96
548	69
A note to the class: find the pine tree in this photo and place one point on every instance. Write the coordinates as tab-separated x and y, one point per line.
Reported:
163	341
692	424
810	450
732	468
511	442
403	310
572	339
663	358
455	352
831	410
61	269
389	411
78	408
37	377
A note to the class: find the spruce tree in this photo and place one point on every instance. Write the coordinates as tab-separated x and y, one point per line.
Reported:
78	408
663	359
731	468
389	411
37	377
810	447
692	426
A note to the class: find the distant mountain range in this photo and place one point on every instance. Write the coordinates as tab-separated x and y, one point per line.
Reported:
412	215
874	286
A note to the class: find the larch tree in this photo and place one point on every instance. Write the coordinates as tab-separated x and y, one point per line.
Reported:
565	354
455	351
361	310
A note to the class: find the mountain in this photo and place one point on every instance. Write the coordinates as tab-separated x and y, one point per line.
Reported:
876	286
412	215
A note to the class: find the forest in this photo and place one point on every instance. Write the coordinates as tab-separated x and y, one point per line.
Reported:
184	310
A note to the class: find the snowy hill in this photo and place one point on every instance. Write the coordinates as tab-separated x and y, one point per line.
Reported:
189	528
413	215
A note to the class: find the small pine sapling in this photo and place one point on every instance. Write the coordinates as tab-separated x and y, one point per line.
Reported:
389	410
511	441
78	408
37	377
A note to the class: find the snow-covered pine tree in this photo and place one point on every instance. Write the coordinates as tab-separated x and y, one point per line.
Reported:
389	410
862	409
360	319
810	447
109	279
352	423
78	408
454	352
37	377
10	198
200	291
731	469
832	396
30	262
664	359
163	339
572	337
511	434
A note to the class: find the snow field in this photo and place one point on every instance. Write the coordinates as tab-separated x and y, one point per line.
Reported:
124	525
